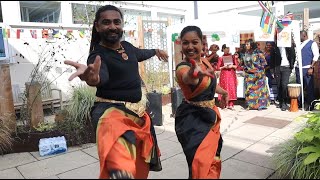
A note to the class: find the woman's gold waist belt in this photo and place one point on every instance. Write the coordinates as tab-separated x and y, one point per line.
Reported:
208	104
139	108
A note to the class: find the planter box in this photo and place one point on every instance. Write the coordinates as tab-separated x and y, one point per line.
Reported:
29	142
166	99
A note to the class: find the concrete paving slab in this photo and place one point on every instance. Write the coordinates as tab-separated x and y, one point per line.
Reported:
12	173
56	165
173	168
13	160
285	114
85	146
174	139
272	140
169	149
257	154
235	169
249	133
90	171
92	151
164	132
231	147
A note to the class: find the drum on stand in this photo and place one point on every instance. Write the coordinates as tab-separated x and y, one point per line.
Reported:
294	91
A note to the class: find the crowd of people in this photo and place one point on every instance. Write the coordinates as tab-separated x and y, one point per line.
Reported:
126	141
263	67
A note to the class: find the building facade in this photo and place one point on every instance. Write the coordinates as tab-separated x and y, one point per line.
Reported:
42	34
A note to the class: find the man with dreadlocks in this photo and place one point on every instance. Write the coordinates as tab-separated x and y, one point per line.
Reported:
125	136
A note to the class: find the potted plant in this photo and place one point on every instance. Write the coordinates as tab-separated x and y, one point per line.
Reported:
299	158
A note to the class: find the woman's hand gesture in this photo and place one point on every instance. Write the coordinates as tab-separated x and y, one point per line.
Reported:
199	72
89	73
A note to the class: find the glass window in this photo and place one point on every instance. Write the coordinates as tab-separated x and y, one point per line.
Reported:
83	13
1	20
40	11
3	46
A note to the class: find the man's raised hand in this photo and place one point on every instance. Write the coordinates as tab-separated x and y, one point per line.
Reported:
89	73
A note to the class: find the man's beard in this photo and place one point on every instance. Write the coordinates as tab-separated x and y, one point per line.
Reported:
105	36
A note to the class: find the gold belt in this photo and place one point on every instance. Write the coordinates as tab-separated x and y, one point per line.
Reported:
139	108
208	104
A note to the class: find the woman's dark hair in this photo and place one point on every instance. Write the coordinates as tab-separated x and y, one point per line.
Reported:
191	29
95	37
223	47
253	45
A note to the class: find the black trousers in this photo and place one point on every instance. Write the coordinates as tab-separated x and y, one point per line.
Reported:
282	77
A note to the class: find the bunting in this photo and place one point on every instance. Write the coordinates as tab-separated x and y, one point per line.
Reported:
6	33
33	34
55	33
45	34
69	34
19	31
81	33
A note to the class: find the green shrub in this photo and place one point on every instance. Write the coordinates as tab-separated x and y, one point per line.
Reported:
77	121
299	158
5	138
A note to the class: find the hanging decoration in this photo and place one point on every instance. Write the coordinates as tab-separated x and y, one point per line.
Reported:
268	18
215	37
174	37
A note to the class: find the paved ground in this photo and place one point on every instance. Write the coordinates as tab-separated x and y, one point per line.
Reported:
246	151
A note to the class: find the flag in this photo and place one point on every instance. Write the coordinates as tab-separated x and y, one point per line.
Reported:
263	18
81	33
33	34
271	24
45	33
56	33
69	34
19	31
4	33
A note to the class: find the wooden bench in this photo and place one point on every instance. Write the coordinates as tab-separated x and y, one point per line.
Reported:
47	100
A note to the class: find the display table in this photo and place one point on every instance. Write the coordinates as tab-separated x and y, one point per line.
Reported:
240	86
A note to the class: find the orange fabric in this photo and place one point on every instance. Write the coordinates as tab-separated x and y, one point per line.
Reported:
187	92
204	165
111	126
117	157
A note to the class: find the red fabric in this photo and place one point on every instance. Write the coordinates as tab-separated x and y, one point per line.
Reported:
228	79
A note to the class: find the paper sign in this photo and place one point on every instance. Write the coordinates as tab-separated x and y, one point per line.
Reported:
284	38
227	60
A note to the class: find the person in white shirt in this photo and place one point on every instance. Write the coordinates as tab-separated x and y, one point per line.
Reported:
310	54
281	67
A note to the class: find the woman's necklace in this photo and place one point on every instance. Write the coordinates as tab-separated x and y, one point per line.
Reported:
120	50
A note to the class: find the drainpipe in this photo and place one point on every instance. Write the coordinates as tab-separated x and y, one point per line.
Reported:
195	7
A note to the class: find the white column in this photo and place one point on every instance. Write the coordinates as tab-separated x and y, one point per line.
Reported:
11	12
154	13
66	12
